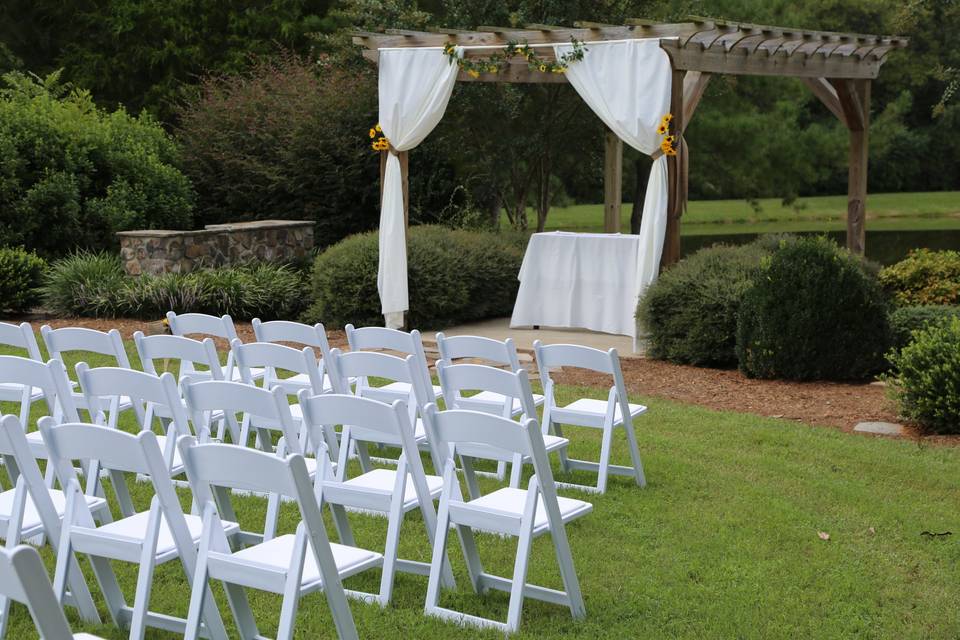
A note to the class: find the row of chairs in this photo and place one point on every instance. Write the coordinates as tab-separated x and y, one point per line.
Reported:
333	391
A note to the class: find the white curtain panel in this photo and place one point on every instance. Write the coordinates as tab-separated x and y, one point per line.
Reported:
415	86
627	84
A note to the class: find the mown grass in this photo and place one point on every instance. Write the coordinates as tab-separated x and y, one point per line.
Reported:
722	543
885	211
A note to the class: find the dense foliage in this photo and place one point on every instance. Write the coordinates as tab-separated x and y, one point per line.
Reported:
94	285
813	313
72	175
926	378
454	276
21	275
924	277
905	321
690	312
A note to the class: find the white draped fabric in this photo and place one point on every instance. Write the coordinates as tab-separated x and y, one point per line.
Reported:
415	86
627	84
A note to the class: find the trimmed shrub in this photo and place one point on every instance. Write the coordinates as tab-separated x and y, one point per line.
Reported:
73	175
454	276
813	313
924	277
926	380
904	321
690	312
21	275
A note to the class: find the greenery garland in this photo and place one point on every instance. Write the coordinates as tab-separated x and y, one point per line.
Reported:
500	61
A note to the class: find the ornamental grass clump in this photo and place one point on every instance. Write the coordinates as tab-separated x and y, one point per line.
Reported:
926	378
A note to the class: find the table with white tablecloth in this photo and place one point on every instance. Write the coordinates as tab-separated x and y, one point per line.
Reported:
579	280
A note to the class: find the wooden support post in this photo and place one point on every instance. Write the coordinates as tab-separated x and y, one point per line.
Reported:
612	181
671	241
857	174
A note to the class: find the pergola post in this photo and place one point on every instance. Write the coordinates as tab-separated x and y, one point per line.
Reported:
612	181
675	186
856	103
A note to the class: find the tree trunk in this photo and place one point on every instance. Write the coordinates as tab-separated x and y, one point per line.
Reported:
636	216
543	197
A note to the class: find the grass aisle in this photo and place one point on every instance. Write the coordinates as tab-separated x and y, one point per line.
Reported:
722	543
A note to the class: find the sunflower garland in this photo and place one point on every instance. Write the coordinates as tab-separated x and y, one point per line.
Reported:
499	62
667	144
379	143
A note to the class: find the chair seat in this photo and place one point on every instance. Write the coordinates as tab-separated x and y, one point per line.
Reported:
510	501
403	389
593	407
177	465
12	392
134	529
274	556
553	443
383	480
302	381
31	517
497	399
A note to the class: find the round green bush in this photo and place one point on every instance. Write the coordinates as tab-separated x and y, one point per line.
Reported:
813	313
904	321
453	275
926	378
924	277
73	175
690	312
21	275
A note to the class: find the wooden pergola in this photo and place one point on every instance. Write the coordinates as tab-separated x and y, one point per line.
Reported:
837	67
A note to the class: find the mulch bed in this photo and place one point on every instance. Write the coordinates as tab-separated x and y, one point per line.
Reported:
831	404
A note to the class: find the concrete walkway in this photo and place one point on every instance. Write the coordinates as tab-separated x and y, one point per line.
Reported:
499	329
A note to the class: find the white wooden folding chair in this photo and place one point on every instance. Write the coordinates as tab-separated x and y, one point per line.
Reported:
400	373
277	359
147	538
20	337
524	513
32	510
608	415
23	578
498	392
408	343
293	565
187	324
106	343
285	331
264	412
392	492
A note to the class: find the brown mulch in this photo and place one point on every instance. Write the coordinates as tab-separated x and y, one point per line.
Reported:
831	404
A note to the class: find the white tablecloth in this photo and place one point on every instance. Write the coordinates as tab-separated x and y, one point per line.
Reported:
579	280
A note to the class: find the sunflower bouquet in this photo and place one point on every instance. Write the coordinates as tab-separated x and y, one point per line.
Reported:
379	141
668	142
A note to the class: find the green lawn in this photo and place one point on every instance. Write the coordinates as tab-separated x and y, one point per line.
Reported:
722	543
885	211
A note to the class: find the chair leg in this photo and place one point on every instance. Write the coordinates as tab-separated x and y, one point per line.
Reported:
604	471
635	454
141	601
516	471
198	593
564	458
273	516
291	588
521	562
342	524
439	552
393	538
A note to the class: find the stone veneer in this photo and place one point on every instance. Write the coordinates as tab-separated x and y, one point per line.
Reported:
216	245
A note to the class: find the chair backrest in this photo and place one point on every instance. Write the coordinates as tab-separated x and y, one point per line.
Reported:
23	578
380	338
577	356
265	408
67	339
186	324
457	378
186	351
274	358
363	365
499	352
483	435
20	336
49	377
296	332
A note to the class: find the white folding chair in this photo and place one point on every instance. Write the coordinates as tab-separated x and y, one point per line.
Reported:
80	339
381	338
307	335
20	337
494	352
607	414
400	373
264	411
392	492
147	538
23	578
524	513
499	392
292	564
187	324
32	510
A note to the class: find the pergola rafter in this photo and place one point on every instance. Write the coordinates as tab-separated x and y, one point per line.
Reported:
837	67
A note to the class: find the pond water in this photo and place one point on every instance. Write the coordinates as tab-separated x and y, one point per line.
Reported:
885	247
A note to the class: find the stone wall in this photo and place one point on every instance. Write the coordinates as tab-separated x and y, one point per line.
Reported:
159	251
